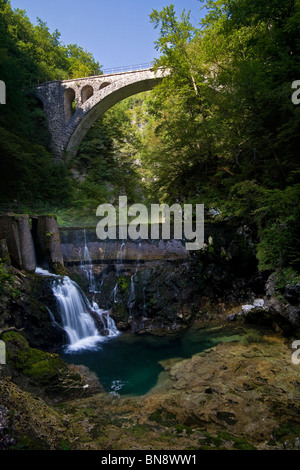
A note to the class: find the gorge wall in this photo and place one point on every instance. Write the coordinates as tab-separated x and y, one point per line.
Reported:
148	286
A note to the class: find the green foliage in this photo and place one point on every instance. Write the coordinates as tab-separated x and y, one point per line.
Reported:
220	129
28	55
29	172
230	118
284	277
107	162
275	215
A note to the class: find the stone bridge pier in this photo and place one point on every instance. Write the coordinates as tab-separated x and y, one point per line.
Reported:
73	106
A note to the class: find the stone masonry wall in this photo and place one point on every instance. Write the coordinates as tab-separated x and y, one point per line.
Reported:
93	97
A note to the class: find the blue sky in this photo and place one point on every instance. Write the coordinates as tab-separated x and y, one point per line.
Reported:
116	32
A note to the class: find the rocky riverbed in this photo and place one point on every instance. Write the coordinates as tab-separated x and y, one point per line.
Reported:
243	394
239	395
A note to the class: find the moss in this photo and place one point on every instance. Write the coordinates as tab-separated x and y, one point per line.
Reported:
180	428
65	445
123	283
78	279
30	443
88	412
39	366
119	422
59	269
284	277
211	441
242	444
120	311
17	349
222	440
205	447
286	431
225	436
139	430
163	417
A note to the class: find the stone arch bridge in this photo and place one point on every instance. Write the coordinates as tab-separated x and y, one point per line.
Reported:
72	106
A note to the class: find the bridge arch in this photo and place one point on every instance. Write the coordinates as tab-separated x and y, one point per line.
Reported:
102	101
69	103
72	106
104	84
86	93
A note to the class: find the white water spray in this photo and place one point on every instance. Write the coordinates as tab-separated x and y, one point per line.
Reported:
119	266
87	266
76	315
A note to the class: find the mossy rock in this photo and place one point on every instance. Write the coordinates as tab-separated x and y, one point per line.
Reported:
242	444
59	269
120	312
180	428
287	433
123	283
163	417
140	430
43	369
224	440
40	366
29	443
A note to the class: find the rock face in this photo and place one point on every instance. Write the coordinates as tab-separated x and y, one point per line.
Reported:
22	305
32	240
4	253
16	231
47	241
153	286
284	302
45	373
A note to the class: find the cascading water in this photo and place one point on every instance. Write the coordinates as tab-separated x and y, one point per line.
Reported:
76	314
77	322
108	323
131	301
119	263
87	266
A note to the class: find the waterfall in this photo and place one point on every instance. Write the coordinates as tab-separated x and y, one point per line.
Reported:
87	266
119	263
131	301
144	302
108	323
76	314
77	322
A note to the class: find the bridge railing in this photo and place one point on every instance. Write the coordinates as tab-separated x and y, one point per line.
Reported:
128	68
